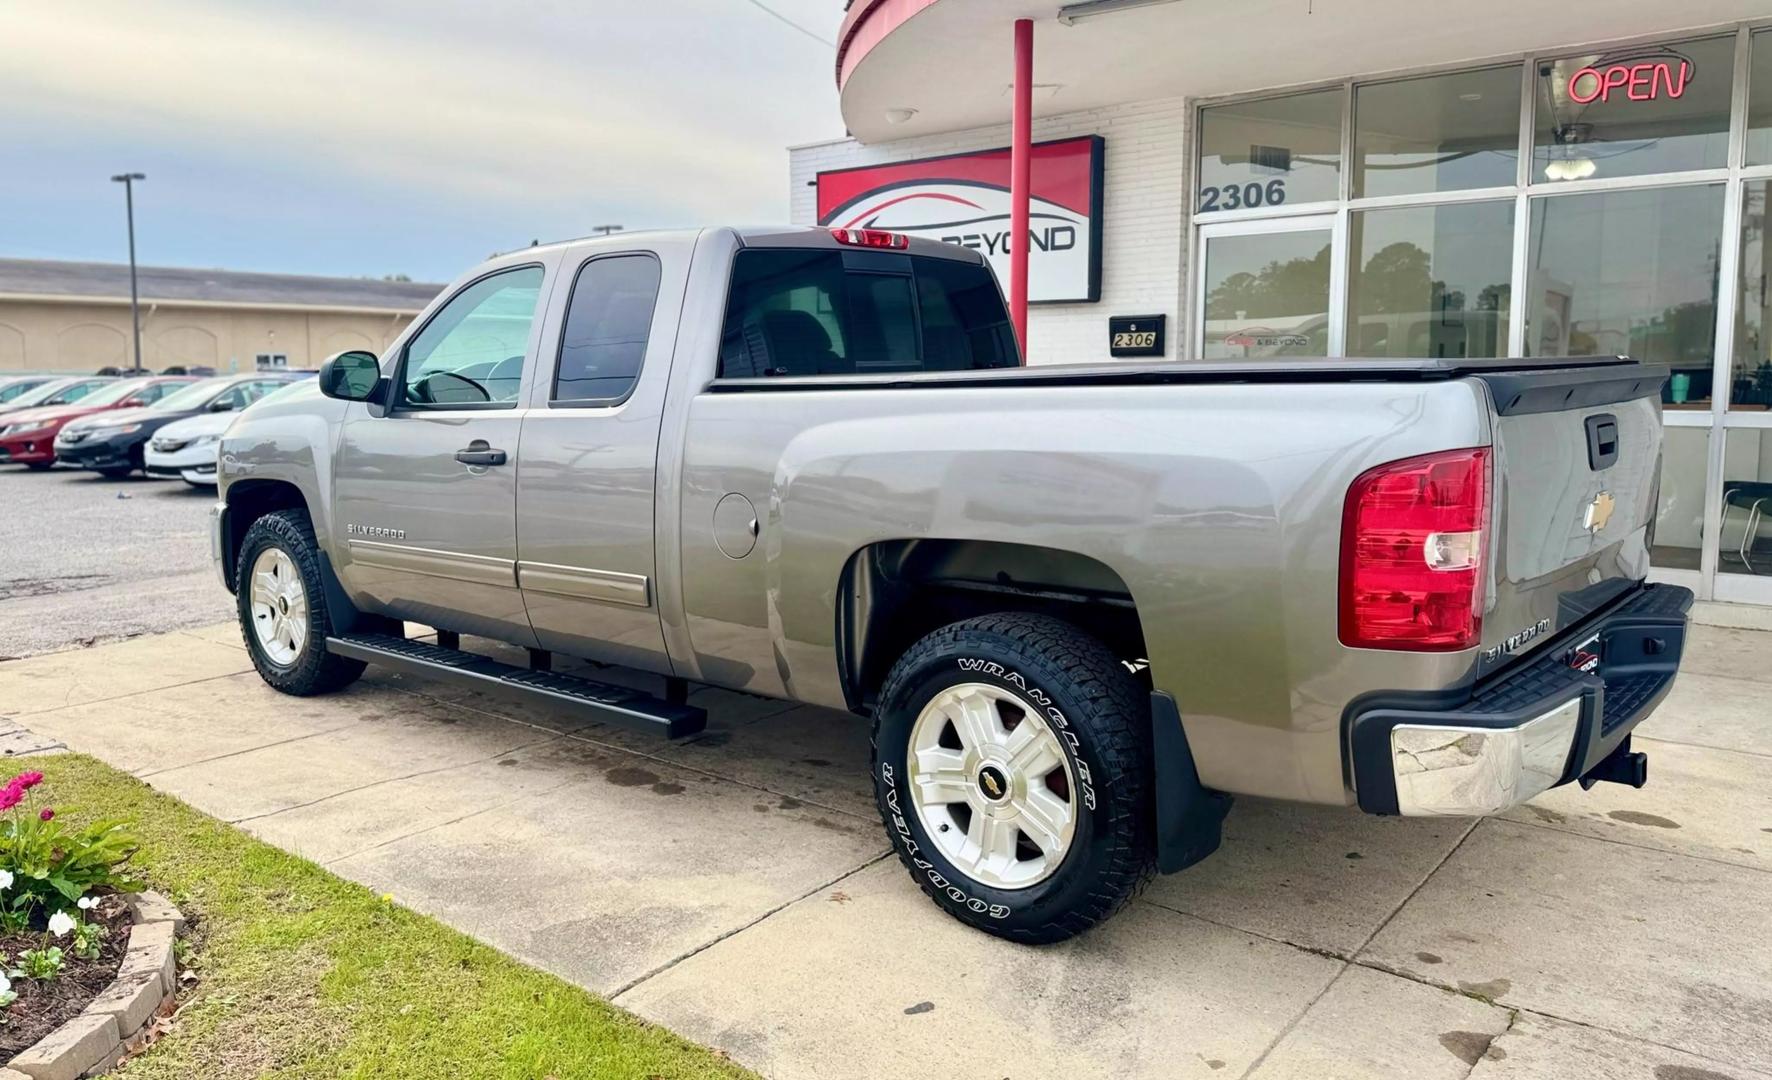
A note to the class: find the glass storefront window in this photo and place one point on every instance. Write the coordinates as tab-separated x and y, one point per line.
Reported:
1439	133
1631	173
1679	516
1629	272
1634	111
1759	100
1267	294
1746	538
1266	153
1431	281
1750	384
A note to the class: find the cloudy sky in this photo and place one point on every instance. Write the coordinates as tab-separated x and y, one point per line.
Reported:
370	137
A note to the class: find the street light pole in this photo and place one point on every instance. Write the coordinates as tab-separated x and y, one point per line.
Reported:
135	320
605	230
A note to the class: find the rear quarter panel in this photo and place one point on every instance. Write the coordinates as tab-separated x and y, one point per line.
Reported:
1218	505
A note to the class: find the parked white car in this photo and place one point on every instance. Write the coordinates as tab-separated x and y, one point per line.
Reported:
187	448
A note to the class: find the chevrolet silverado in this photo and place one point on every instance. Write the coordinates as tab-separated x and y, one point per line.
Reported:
1082	607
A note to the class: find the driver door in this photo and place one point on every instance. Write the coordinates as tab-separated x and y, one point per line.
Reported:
425	485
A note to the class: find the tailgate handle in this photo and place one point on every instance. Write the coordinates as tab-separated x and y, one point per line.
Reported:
1602	440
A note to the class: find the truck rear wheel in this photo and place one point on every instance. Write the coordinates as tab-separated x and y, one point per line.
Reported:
1011	769
282	605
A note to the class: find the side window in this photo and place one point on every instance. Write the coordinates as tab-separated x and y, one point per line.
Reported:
472	351
608	319
822	312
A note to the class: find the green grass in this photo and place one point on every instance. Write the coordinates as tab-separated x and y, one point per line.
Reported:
303	974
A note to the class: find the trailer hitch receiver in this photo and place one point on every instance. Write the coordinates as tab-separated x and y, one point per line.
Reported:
1621	766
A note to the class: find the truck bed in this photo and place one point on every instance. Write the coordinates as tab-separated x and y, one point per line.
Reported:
1508	379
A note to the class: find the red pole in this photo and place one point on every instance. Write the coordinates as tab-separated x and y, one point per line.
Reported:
1021	155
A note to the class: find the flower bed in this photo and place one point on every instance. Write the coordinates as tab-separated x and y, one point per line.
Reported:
65	929
42	1005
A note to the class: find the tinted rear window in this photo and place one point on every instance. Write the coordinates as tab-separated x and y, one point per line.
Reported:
819	312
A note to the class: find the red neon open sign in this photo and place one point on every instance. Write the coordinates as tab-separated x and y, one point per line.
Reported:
1639	82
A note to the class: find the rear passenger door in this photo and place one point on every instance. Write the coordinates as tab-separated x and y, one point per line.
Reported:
586	491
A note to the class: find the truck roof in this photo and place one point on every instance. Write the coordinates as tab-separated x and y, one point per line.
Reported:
815	236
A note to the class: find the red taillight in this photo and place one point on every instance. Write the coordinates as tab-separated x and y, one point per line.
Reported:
1412	538
874	238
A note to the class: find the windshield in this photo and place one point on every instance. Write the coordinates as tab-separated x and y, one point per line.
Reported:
110	395
192	397
293	384
41	394
17	388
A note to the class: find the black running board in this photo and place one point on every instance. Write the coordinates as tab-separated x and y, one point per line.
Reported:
600	702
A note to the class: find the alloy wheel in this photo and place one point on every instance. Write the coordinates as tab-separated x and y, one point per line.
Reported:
279	606
992	785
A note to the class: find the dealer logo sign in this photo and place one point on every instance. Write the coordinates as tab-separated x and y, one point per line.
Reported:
964	200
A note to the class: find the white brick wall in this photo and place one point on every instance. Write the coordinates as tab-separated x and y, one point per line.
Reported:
1143	245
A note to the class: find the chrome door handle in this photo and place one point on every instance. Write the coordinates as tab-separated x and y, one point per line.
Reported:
479	453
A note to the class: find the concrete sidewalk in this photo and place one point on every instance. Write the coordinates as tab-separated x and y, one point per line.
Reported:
737	887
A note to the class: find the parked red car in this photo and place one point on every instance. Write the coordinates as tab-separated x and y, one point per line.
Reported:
27	437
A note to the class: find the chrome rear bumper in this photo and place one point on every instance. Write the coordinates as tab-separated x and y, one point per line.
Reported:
1467	771
1550	719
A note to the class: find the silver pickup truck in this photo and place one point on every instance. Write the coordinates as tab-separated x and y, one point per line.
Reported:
1082	607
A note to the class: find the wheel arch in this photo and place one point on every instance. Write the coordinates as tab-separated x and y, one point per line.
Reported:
247	501
893	592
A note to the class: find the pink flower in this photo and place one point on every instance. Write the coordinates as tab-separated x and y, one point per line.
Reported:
27	781
48	814
10	796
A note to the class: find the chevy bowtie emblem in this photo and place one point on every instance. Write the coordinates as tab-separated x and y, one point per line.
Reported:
1598	512
993	783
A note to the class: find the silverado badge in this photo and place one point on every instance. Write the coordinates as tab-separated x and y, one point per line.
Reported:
1598	512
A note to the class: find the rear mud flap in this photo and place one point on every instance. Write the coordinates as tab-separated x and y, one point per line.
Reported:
1190	818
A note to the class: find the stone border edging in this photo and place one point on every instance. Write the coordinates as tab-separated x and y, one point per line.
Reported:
115	1021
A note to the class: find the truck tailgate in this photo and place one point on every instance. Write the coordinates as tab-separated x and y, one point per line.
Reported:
1577	465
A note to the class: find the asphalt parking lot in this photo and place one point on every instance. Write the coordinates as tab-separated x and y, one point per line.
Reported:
84	559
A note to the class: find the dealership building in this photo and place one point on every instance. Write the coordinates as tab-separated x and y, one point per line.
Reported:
74	316
1217	179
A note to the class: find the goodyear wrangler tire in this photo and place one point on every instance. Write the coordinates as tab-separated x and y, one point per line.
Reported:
1011	769
282	604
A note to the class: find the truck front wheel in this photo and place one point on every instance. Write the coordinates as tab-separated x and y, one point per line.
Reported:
1011	768
282	604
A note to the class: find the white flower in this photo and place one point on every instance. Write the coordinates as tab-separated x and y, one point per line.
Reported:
5	879
60	923
86	903
5	984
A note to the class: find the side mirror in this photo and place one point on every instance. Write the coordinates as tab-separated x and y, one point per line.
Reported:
353	375
222	404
